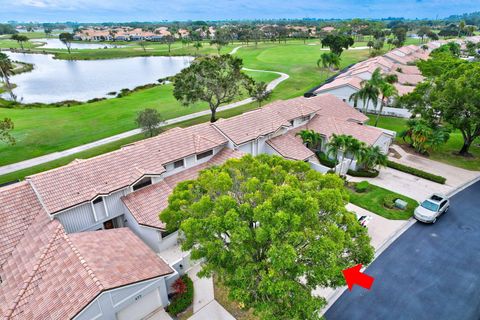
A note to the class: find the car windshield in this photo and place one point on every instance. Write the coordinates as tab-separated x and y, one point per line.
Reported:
430	205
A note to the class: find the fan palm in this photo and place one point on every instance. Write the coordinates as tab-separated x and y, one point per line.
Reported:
371	157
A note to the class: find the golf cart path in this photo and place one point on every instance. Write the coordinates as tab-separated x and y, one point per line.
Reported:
68	152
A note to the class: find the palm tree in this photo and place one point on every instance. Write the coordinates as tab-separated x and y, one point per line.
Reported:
368	93
329	60
353	147
336	145
310	138
6	70
461	27
371	157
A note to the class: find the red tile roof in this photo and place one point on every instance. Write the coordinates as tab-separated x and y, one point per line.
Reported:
146	204
83	180
327	126
19	207
290	147
52	275
352	81
334	107
251	125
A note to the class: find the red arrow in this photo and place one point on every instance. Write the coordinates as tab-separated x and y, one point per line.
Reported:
354	276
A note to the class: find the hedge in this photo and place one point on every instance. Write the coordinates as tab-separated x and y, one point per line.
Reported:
322	157
181	302
362	186
363	173
416	172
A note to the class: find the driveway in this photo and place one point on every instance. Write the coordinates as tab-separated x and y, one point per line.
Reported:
429	272
415	187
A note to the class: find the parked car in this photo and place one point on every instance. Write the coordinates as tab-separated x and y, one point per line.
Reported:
429	210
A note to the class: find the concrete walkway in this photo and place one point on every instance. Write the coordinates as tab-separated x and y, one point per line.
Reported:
57	155
204	305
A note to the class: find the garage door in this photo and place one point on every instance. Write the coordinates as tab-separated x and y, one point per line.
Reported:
142	307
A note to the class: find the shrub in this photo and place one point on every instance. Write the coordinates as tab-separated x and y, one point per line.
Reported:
363	173
416	172
322	157
183	298
389	201
362	186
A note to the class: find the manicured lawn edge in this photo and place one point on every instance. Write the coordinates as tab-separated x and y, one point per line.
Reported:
416	172
372	199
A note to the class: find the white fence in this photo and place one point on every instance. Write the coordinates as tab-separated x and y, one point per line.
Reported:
318	167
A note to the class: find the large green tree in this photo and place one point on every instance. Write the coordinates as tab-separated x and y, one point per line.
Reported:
149	121
337	43
215	80
66	38
273	230
20	38
452	97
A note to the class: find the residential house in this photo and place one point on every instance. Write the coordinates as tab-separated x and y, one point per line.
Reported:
85	241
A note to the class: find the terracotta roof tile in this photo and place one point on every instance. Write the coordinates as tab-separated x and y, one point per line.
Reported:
328	125
251	125
83	180
146	204
290	147
18	208
52	275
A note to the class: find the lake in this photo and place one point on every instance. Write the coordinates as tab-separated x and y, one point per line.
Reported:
55	80
57	44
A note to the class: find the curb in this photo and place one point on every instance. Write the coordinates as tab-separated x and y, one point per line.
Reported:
462	187
337	293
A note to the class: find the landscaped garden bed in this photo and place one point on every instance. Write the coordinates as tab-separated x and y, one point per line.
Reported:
380	201
181	302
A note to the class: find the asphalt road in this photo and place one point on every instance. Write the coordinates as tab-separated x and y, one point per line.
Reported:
429	272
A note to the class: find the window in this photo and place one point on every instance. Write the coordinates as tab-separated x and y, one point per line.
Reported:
142	183
204	154
291	122
305	118
178	164
98	200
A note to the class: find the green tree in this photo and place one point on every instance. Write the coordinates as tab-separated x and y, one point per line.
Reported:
371	157
336	146
66	39
143	44
329	60
6	125
272	230
168	40
369	92
310	138
20	38
337	43
197	47
149	121
353	148
215	80
6	70
385	86
423	136
259	92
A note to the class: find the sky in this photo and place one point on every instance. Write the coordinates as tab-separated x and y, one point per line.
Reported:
158	10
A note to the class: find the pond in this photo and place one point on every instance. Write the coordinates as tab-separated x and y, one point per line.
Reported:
55	80
57	44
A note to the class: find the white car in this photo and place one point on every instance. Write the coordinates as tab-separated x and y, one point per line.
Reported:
429	210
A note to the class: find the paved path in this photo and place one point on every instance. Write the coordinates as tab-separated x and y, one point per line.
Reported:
205	307
429	272
57	155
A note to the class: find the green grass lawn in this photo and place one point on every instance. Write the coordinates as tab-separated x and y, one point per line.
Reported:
373	199
40	131
445	153
21	174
